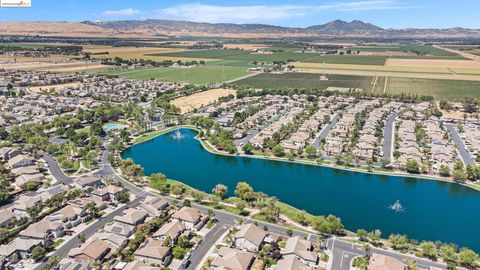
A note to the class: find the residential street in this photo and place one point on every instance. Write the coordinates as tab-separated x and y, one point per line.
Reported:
462	149
388	137
55	169
325	131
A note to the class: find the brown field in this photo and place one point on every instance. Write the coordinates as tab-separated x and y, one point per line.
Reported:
387	53
391	62
245	46
73	68
37	89
115	50
198	100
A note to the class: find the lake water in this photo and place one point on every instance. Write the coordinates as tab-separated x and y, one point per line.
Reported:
433	210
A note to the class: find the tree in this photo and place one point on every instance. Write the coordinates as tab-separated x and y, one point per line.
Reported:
362	234
241	206
38	253
398	241
448	253
311	151
122	196
444	171
247	148
52	263
244	191
220	191
92	209
428	250
289	232
412	166
301	217
277	151
468	258
458	175
81	238
187	203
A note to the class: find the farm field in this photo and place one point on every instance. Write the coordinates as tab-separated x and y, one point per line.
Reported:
129	53
196	75
346	59
442	89
237	55
307	80
37	89
198	100
414	51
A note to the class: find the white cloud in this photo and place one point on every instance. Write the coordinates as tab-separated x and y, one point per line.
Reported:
262	13
121	12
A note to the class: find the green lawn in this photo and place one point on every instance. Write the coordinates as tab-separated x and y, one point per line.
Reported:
306	80
196	75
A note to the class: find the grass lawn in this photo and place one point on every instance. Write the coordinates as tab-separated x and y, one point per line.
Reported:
307	80
58	243
196	75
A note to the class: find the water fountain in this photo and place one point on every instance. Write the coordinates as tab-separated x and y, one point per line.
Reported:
397	207
178	135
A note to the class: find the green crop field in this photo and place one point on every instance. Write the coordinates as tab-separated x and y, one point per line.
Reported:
306	80
447	89
196	75
237	55
423	51
347	59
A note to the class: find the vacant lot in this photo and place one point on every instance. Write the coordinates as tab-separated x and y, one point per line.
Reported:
196	75
440	89
306	80
347	59
54	87
198	100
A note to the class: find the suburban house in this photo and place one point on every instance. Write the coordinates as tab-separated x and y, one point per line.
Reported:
135	265
172	229
70	264
82	202
44	230
120	229
24	203
292	263
302	249
190	217
47	193
70	216
106	193
21	180
132	216
93	250
154	205
250	237
382	262
7	217
88	181
7	153
153	251
20	161
233	259
19	248
118	241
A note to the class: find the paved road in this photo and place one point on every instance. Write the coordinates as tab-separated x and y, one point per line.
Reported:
462	149
55	169
242	141
388	136
325	131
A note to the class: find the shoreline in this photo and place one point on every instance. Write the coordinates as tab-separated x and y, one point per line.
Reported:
211	149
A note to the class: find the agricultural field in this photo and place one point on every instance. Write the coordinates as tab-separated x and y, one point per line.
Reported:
308	80
237	55
201	99
347	59
412	51
440	89
195	75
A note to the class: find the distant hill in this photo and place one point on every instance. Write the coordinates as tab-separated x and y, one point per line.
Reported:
144	28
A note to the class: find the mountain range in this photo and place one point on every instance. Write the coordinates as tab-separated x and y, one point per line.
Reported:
145	28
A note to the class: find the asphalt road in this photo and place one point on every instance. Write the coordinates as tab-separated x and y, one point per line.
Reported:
388	137
242	141
55	169
462	149
325	131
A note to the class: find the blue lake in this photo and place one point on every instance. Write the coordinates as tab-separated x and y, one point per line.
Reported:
434	210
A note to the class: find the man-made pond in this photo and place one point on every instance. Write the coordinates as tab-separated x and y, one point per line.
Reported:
431	210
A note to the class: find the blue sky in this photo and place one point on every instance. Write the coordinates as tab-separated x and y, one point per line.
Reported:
299	13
